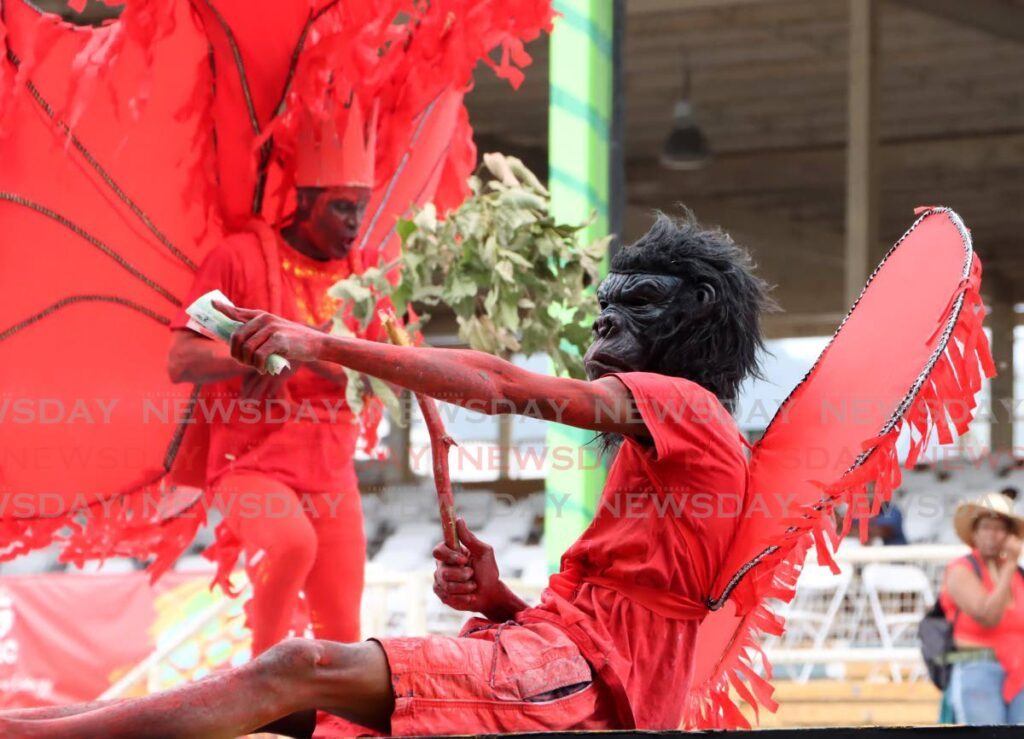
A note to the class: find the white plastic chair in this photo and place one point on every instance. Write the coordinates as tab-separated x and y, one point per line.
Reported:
35	562
112	566
535	573
516	559
194	563
508	524
900	583
812	612
923	517
409	547
475	506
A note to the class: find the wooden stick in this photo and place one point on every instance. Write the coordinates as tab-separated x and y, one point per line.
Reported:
440	441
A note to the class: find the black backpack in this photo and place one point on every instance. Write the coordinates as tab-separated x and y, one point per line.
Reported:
936	634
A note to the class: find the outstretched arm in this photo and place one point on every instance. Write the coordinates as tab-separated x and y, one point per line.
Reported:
472	379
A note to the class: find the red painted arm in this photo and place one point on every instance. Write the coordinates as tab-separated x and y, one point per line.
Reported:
196	359
475	380
491	385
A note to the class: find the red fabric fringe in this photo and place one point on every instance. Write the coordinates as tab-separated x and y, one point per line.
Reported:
12	79
437	47
945	401
131	525
7	74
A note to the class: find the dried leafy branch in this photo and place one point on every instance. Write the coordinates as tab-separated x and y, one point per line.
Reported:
516	279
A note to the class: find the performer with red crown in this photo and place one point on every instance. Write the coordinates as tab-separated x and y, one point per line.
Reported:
280	461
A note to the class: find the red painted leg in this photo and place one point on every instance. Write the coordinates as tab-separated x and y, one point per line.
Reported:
293	676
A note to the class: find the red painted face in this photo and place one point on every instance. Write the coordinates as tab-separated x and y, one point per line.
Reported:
333	220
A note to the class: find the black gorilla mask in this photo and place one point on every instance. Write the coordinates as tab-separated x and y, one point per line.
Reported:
640	315
681	301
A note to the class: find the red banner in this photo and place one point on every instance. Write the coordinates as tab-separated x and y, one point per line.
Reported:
69	637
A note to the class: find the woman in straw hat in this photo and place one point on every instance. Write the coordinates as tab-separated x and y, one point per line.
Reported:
983	595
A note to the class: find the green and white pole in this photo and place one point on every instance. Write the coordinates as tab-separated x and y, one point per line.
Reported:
579	144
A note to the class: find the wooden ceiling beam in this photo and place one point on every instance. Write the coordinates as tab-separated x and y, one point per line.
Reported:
804	262
795	325
805	188
639	8
1000	18
738	172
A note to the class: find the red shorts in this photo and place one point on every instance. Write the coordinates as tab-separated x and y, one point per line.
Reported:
492	678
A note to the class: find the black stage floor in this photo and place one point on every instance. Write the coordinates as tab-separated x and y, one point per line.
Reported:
869	732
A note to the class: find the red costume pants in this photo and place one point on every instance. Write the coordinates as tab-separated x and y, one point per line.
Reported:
297	541
491	679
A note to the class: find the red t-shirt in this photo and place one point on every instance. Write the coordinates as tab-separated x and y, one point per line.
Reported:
1006	638
306	436
633	586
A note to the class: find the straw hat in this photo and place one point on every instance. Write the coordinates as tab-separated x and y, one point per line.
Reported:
988	504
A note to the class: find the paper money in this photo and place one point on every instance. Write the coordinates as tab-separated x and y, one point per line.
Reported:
211	323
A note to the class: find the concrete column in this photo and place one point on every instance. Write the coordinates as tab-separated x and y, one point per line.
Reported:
1001	321
862	220
579	176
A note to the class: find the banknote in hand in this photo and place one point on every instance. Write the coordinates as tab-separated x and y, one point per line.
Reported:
211	323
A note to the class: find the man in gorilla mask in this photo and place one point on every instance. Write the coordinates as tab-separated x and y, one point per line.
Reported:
682	301
611	644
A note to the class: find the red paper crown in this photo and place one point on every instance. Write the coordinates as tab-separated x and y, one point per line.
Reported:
325	158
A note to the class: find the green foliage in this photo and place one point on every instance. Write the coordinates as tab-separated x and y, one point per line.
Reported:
516	279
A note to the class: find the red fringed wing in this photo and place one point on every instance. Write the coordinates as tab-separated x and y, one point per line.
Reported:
98	244
102	231
254	49
906	355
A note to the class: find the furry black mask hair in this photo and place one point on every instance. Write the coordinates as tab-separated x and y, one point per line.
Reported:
682	301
